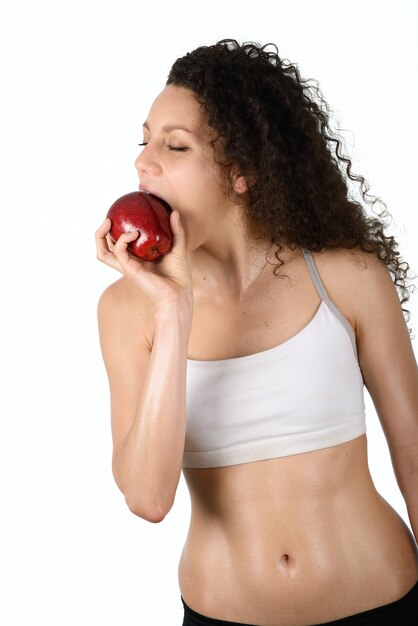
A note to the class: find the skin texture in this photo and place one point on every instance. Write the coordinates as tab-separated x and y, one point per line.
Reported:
287	542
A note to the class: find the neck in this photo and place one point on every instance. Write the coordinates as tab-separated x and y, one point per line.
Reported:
224	258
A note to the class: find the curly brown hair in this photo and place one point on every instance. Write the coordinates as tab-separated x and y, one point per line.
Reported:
274	132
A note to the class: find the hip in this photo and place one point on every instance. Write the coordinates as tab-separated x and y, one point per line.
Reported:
402	611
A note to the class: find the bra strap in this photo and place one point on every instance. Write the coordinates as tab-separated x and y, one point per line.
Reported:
315	275
313	270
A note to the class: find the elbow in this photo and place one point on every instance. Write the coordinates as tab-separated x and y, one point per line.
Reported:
151	514
146	508
143	503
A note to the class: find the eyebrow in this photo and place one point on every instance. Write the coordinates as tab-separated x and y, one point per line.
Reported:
169	127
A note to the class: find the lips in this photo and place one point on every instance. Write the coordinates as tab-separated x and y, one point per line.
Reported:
146	189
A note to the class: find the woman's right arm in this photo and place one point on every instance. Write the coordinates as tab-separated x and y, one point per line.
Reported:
147	386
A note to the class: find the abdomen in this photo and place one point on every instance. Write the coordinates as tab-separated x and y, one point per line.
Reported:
293	541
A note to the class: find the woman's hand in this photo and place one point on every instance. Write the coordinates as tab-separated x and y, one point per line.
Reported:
165	280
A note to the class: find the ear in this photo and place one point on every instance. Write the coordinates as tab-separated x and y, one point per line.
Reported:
240	185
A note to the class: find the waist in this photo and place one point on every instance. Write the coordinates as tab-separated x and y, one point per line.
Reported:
285	533
285	571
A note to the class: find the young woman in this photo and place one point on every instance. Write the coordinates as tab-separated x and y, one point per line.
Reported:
240	356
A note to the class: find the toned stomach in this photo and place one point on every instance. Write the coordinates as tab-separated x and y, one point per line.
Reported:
293	541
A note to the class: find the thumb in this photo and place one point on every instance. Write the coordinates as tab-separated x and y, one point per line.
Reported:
177	228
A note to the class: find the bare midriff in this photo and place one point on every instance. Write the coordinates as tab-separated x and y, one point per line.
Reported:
293	541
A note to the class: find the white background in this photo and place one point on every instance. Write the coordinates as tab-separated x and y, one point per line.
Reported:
77	80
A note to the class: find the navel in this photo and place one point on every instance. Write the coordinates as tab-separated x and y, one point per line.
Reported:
286	563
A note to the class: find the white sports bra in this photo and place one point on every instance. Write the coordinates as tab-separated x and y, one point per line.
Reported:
302	395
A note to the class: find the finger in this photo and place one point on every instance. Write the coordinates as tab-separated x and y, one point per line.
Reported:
103	252
104	228
105	255
126	238
110	242
179	239
120	247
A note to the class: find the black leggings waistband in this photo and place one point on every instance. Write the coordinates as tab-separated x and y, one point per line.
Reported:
402	612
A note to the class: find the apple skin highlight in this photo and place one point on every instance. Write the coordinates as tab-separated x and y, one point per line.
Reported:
149	215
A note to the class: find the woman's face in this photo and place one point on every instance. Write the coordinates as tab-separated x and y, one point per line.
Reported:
177	164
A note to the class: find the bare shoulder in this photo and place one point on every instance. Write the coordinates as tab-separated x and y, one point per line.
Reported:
358	282
125	306
354	265
364	286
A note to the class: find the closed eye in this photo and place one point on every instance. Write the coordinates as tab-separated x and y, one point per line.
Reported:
177	149
169	147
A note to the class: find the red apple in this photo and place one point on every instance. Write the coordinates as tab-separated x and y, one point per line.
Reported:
150	216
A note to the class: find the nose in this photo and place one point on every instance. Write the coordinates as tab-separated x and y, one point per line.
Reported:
147	163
